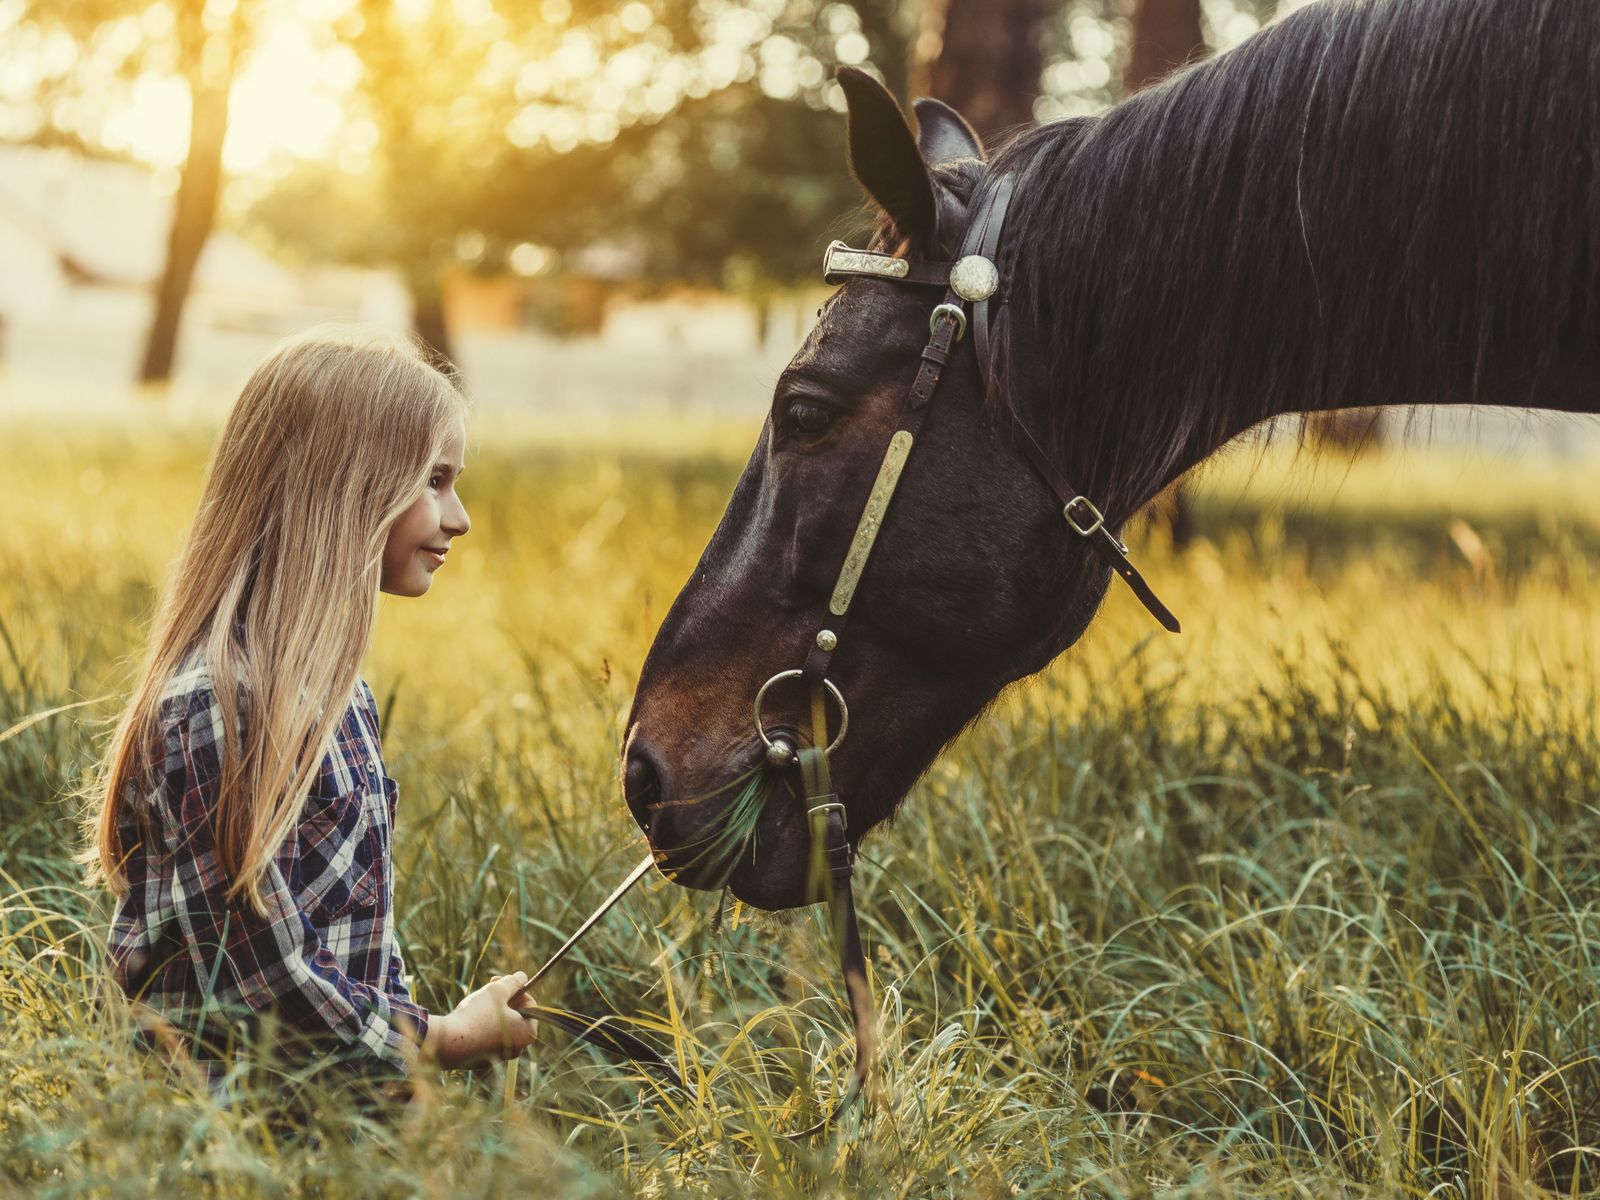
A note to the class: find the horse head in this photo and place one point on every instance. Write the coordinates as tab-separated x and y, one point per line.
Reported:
972	581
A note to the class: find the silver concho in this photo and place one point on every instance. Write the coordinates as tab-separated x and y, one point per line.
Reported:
974	278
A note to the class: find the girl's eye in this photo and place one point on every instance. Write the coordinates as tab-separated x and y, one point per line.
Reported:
434	482
803	416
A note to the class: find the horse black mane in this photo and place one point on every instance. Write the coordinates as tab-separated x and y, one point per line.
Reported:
1371	202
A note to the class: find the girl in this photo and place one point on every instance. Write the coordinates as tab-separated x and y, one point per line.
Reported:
243	817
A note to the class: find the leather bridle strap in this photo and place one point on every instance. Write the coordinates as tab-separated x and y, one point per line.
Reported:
831	853
598	1031
980	244
983	238
828	831
1086	521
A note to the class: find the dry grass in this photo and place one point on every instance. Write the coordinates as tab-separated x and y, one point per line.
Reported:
1303	902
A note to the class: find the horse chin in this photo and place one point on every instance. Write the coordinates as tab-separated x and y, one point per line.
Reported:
769	886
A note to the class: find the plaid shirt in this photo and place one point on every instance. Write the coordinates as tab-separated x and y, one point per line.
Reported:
325	959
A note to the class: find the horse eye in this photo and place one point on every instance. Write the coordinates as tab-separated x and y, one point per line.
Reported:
806	417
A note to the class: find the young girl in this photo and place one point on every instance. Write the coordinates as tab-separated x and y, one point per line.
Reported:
244	815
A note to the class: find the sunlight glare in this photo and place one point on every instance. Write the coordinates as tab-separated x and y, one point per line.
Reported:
155	125
287	103
282	101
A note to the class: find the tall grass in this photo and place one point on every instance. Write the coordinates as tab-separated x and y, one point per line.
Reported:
1304	902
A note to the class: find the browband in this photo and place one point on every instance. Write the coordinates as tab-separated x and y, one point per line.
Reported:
840	262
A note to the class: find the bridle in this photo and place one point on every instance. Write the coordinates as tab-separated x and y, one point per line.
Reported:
973	278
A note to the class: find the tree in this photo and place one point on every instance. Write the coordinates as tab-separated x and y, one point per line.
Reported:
1166	35
727	189
197	41
208	56
989	59
714	161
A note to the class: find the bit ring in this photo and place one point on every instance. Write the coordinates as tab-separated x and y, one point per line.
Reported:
795	673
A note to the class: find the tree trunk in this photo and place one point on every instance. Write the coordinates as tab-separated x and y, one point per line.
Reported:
428	316
987	59
1166	35
207	59
194	212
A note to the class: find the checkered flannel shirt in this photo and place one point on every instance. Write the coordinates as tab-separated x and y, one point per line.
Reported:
325	959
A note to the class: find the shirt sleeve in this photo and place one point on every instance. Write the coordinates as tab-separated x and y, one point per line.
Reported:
397	981
278	961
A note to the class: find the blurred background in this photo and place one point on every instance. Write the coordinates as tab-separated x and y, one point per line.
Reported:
586	204
1301	902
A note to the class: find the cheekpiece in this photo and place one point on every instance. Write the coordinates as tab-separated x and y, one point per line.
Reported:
839	260
974	278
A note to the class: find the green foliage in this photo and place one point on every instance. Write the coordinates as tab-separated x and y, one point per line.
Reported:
1303	902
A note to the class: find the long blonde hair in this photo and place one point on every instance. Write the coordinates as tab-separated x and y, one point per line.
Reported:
333	437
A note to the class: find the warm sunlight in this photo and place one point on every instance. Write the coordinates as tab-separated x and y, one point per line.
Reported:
287	103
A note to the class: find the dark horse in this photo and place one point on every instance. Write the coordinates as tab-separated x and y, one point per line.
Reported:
1370	202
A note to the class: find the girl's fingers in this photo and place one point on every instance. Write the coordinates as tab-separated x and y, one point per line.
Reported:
507	984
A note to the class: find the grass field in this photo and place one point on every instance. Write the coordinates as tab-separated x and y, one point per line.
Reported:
1304	902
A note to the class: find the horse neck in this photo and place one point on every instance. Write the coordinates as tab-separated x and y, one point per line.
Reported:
1362	206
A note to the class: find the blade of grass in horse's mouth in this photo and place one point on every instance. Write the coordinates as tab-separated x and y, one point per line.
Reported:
728	832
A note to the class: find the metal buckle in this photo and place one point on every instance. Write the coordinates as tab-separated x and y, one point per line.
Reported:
794	673
823	809
1099	521
953	310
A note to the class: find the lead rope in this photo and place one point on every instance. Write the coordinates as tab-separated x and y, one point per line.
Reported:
830	855
597	1031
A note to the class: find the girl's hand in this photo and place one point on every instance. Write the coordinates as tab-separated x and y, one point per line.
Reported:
483	1028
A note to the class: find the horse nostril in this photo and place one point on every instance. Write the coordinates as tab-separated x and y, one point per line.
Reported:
641	783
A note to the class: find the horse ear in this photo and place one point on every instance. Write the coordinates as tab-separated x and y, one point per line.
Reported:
884	157
943	134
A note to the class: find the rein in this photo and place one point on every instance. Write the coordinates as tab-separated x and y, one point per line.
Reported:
973	278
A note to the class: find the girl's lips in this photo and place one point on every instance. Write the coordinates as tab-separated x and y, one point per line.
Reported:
437	558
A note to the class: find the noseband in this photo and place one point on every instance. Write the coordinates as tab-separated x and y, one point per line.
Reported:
973	278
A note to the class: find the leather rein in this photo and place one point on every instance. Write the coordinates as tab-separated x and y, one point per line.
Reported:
973	278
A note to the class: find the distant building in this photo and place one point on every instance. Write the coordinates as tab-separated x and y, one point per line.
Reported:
82	245
73	228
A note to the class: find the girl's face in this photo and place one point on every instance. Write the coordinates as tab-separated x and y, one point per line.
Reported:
420	536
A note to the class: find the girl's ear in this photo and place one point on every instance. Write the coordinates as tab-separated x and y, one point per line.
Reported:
884	157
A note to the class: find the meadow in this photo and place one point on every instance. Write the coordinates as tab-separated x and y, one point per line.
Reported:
1303	902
